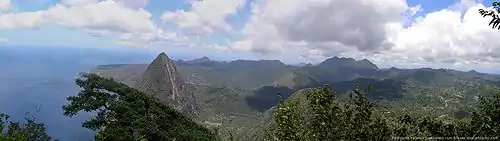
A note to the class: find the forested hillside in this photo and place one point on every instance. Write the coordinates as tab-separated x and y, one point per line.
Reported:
244	110
253	100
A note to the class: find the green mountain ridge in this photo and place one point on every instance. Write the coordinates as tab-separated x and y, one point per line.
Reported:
239	96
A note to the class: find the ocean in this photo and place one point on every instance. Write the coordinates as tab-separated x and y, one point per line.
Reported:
44	76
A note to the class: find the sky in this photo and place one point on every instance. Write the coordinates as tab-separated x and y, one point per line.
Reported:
399	33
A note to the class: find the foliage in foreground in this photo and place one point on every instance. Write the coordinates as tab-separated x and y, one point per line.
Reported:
493	13
30	131
124	113
321	117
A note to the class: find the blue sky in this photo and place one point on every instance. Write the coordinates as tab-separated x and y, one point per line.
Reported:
55	36
276	29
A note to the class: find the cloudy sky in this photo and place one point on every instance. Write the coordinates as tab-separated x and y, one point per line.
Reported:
411	33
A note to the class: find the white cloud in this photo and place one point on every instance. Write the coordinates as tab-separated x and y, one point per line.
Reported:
447	37
218	47
454	37
5	5
104	16
22	20
134	4
77	2
145	38
356	23
205	15
384	31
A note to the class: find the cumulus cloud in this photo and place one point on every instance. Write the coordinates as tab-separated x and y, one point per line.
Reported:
384	31
218	47
134	4
447	36
5	5
146	38
205	15
77	2
322	24
21	20
102	15
120	16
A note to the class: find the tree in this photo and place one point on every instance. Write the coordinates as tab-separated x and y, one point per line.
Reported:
321	117
30	131
124	113
365	125
287	120
495	21
486	120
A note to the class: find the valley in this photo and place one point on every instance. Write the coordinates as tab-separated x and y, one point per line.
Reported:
238	97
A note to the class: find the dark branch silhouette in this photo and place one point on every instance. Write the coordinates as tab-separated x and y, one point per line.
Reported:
495	21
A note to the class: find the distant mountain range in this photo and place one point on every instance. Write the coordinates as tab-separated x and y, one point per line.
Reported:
238	94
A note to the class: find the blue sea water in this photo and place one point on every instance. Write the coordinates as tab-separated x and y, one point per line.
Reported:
45	76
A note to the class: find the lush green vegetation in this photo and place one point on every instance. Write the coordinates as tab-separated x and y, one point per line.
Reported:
30	131
237	102
318	115
437	96
124	113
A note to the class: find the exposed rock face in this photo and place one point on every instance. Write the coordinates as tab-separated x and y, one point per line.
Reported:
162	80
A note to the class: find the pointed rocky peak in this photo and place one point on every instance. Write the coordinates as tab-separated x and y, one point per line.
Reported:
162	59
162	55
162	80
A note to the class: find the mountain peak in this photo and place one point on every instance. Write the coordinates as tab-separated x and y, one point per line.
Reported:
162	56
336	61
205	58
162	80
473	71
394	68
364	60
202	60
365	63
